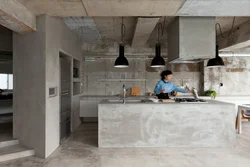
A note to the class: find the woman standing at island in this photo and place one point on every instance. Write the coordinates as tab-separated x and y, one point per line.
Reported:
164	86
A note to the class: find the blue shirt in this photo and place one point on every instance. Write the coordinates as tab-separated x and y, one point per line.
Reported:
168	86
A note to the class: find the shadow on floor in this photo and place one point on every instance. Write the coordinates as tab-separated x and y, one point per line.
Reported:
6	130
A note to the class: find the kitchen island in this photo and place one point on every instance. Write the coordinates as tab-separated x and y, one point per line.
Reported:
138	124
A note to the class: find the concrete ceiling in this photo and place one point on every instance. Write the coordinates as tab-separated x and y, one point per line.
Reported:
108	29
98	22
138	7
55	7
103	7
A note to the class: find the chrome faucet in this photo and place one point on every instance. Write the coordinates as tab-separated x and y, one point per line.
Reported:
124	94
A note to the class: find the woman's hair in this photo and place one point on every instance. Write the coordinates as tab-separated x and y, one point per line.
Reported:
165	73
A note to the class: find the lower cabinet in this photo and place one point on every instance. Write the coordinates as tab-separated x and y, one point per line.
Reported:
65	129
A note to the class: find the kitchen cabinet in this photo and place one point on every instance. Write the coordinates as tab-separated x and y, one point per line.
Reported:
65	96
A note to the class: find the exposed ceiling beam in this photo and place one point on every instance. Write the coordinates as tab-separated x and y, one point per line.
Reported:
144	28
240	38
16	17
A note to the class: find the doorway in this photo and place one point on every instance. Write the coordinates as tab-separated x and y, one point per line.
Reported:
6	96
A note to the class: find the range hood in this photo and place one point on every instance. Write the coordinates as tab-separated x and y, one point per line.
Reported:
191	39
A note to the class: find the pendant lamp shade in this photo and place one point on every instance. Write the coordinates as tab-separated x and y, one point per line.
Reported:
121	61
217	61
158	61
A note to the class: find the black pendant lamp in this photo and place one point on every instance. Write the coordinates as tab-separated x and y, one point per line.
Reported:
121	61
217	61
158	61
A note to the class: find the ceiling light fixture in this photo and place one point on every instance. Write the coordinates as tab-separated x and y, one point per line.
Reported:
218	61
158	61
121	61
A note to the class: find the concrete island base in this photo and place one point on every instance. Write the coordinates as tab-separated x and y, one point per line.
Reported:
166	125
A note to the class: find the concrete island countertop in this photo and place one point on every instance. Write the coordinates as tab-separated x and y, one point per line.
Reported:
146	101
209	124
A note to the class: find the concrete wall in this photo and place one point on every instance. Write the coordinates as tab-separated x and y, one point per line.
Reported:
101	78
36	69
29	85
235	77
59	38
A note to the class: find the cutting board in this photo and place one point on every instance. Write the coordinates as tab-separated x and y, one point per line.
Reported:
135	91
167	101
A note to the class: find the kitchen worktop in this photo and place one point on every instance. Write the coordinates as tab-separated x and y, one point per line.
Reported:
131	102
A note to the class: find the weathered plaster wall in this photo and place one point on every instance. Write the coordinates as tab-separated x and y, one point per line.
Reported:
59	38
36	69
29	85
101	78
235	77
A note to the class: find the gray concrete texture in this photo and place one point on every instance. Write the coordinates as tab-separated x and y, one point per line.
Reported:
16	17
36	69
80	150
191	38
59	38
166	125
234	76
102	78
29	105
138	7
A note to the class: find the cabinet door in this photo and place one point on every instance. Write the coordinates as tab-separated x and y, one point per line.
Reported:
65	129
88	108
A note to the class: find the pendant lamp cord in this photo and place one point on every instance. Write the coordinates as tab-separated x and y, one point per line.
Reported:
160	29
229	33
123	31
